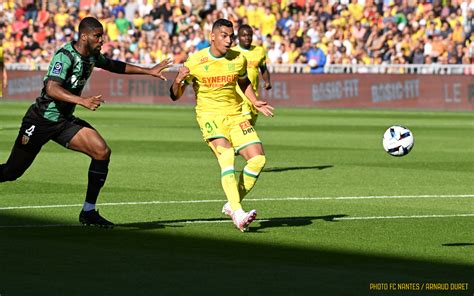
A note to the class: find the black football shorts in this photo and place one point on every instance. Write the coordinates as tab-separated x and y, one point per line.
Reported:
35	131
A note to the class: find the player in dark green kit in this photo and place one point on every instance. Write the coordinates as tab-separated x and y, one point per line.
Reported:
51	116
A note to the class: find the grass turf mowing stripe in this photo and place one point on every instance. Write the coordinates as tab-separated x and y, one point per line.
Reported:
213	221
249	199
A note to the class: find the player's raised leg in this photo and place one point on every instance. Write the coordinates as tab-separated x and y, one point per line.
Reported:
255	157
18	162
225	156
90	142
31	137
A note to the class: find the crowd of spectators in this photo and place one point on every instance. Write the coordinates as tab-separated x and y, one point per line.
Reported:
314	32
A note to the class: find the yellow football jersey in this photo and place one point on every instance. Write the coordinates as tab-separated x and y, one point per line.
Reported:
255	57
214	81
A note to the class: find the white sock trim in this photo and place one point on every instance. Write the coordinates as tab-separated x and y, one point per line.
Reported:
252	173
226	169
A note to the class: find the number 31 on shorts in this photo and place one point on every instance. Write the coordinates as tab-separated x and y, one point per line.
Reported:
210	126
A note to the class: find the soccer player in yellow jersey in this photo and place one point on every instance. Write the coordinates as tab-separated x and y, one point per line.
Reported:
214	73
256	57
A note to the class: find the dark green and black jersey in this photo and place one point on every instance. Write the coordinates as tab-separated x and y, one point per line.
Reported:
72	70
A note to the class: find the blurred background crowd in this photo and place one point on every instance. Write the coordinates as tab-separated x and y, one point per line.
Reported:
292	31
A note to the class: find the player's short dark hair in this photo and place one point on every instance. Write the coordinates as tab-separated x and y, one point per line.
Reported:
222	23
89	23
245	28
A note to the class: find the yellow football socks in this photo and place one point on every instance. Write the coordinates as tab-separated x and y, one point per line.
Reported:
225	156
249	175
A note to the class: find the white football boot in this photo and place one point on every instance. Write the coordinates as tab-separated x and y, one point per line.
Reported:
227	210
243	220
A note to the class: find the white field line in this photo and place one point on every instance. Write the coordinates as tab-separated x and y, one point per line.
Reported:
258	220
247	199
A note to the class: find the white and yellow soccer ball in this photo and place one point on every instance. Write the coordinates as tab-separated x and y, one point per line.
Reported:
398	140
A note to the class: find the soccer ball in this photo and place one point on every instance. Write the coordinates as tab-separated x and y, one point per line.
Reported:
397	140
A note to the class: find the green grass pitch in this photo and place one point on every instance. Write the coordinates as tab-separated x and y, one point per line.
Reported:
337	215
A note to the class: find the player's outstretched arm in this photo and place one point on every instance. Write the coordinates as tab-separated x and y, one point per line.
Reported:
57	92
126	68
261	106
179	85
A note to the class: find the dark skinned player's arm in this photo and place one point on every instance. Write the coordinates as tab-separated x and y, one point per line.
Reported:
55	90
126	68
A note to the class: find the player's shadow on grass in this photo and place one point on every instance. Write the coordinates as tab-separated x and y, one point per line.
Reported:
292	221
284	169
457	244
264	223
170	223
144	225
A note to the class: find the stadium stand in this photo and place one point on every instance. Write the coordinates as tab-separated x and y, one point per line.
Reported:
402	36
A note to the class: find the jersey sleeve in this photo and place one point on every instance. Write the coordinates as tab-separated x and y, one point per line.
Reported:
59	67
102	61
105	63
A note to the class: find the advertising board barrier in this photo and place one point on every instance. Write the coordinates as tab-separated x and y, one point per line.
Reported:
410	91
